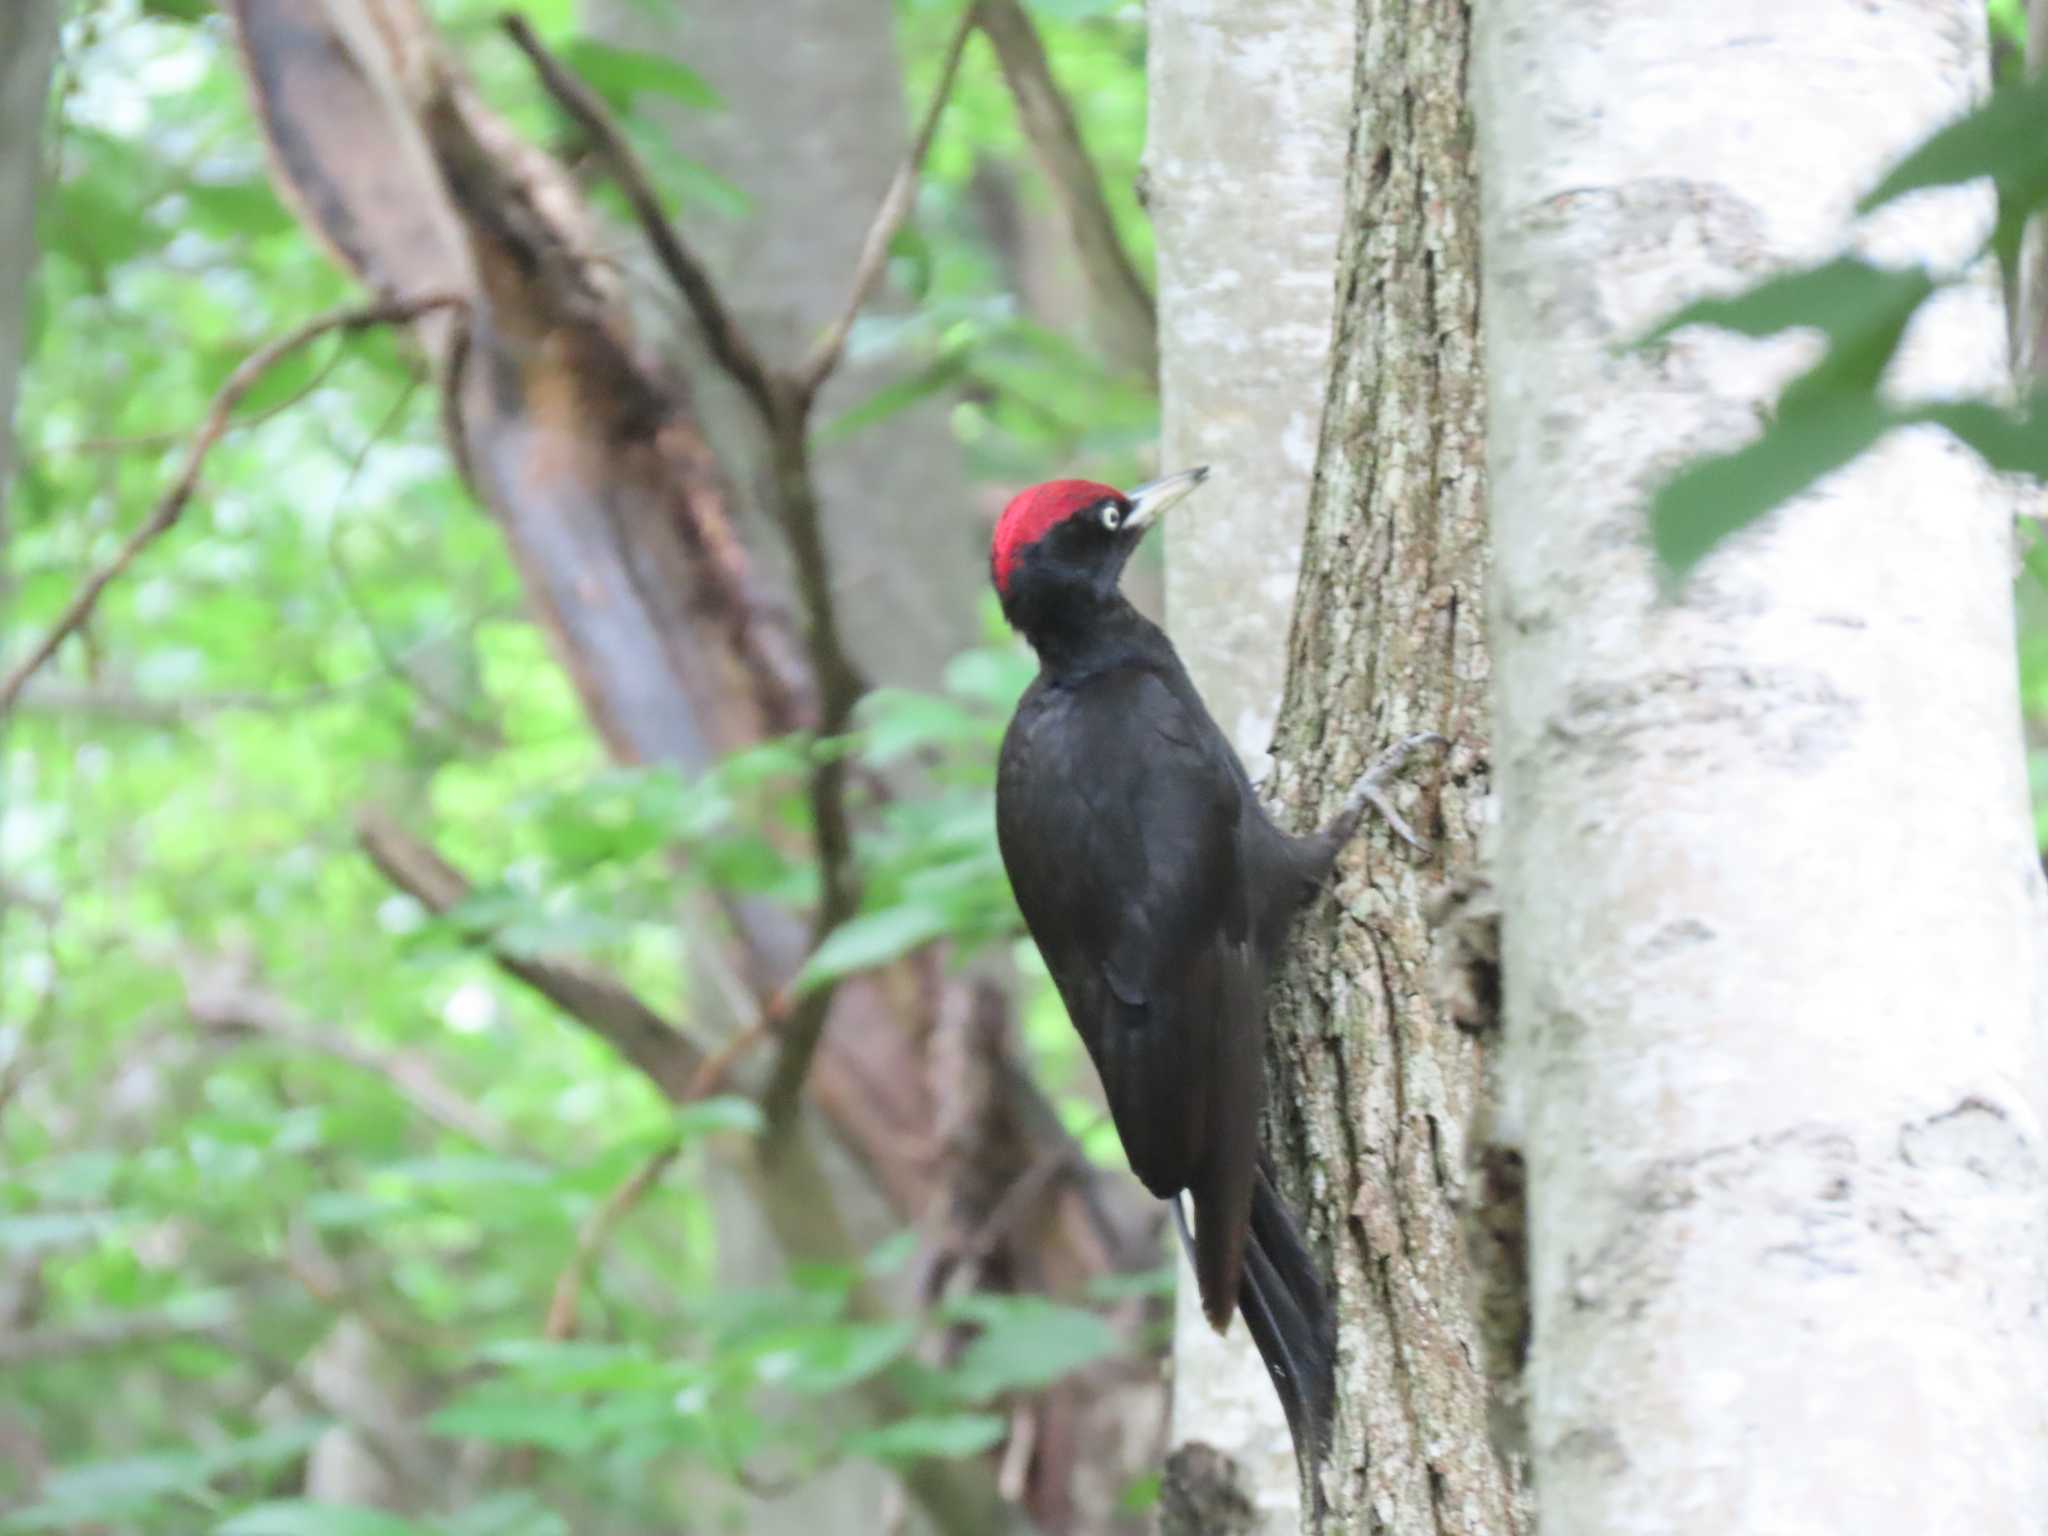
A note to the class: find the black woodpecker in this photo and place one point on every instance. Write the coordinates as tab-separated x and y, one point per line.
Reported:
1159	892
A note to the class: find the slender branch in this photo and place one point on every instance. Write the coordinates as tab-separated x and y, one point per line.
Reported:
170	437
600	1002
232	1005
171	506
1125	314
110	1335
598	1230
895	208
728	342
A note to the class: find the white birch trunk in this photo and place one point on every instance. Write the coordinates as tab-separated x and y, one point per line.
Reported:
1770	898
1250	119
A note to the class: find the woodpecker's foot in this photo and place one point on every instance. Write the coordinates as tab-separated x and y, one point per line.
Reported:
1371	789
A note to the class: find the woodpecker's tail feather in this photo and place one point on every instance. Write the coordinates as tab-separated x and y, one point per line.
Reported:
1281	1296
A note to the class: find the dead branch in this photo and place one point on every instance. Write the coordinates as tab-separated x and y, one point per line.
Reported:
171	505
1126	316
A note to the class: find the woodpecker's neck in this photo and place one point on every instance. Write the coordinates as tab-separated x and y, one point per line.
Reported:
1079	629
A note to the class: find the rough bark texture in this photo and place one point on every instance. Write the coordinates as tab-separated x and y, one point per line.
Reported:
1771	908
1376	1088
28	44
1243	96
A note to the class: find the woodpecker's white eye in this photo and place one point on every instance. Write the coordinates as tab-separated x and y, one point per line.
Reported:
1112	515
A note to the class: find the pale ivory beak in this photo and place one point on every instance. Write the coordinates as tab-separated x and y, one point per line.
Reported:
1154	497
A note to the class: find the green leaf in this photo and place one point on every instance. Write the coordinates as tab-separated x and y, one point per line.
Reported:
833	1356
236	208
35	1231
727	1112
1711	498
506	1416
2005	139
101	1491
2036	557
871	939
1025	1343
1843	297
896	722
620	74
2011	442
943	1435
304	1517
891	399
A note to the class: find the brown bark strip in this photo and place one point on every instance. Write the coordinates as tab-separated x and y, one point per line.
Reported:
1376	1089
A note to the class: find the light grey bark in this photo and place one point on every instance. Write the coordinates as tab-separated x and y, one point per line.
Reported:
1250	111
28	47
1377	1087
813	128
1771	906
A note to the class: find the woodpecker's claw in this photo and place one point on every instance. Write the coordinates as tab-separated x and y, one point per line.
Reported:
1371	789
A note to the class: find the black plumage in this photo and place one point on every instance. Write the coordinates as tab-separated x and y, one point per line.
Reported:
1159	892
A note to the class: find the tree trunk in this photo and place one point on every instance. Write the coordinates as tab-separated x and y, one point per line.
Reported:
1770	902
28	45
909	560
1242	96
1376	1088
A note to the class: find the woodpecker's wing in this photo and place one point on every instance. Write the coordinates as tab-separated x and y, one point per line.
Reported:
1120	810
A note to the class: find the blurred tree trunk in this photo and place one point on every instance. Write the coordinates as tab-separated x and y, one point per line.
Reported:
1771	908
28	48
909	557
1242	95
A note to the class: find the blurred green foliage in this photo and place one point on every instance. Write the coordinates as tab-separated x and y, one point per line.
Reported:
335	623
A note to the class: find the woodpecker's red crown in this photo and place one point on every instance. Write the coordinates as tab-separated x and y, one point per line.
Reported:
1032	514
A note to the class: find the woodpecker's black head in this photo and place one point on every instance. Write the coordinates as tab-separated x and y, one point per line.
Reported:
1060	547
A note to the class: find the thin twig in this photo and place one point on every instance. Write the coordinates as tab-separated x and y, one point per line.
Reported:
1124	310
597	1231
599	1001
171	506
483	734
170	437
230	1004
895	208
728	343
115	1335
